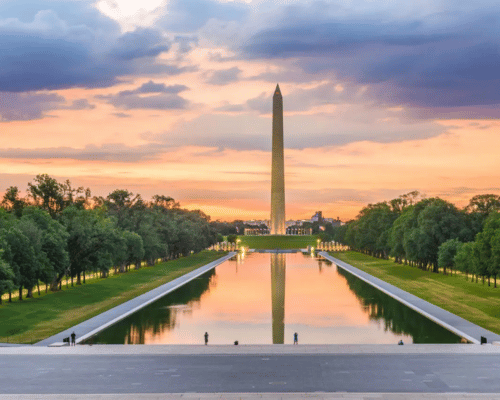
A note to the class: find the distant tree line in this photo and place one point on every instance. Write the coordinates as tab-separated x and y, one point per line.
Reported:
57	230
430	233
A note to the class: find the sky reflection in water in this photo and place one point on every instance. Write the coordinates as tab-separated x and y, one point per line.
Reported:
265	298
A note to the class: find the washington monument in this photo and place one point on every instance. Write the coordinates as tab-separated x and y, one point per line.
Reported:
278	168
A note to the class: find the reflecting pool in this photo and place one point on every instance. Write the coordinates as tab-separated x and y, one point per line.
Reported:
264	298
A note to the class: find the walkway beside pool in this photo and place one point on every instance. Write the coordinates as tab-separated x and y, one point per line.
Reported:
96	324
446	319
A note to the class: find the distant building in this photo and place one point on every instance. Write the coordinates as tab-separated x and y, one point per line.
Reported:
292	226
256	227
334	222
295	230
257	222
256	231
317	217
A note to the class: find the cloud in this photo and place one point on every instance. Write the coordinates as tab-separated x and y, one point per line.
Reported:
28	106
249	131
444	55
81	104
224	76
152	87
215	130
35	105
115	152
190	15
186	43
122	115
304	99
232	108
140	43
53	45
150	95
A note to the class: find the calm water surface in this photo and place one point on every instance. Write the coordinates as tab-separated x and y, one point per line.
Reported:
265	298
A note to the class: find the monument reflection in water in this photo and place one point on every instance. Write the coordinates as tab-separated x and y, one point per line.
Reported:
278	273
265	298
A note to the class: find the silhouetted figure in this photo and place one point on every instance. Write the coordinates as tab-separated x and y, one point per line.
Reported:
295	338
236	343
73	339
206	338
400	343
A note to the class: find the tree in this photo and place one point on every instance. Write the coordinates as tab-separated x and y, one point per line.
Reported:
484	204
78	197
479	208
446	254
135	248
154	247
164	202
41	264
20	255
12	201
47	194
479	268
404	201
54	246
438	222
119	204
90	241
397	235
6	278
410	232
495	256
485	240
464	258
339	233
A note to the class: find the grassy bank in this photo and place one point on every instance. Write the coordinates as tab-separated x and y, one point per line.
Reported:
471	301
32	320
278	242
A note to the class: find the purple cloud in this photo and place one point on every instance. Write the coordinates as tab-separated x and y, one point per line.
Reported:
224	76
444	57
52	45
150	95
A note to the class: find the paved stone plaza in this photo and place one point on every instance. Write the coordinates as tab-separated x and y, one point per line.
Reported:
264	396
88	370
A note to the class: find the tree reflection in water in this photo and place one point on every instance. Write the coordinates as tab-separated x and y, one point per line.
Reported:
159	316
397	317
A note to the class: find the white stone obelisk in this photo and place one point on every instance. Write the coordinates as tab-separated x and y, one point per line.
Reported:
278	168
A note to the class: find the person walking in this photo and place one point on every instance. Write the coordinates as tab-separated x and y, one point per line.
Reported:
206	338
295	338
73	339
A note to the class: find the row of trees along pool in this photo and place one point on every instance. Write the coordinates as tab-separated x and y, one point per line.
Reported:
431	234
58	231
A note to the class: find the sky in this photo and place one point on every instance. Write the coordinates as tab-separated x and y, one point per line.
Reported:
174	97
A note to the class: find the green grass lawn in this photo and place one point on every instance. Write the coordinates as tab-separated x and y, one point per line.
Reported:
32	320
278	242
471	301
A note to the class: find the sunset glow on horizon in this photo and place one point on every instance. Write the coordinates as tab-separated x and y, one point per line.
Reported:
173	97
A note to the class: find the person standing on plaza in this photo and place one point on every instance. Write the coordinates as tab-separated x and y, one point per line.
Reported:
206	338
73	339
295	338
